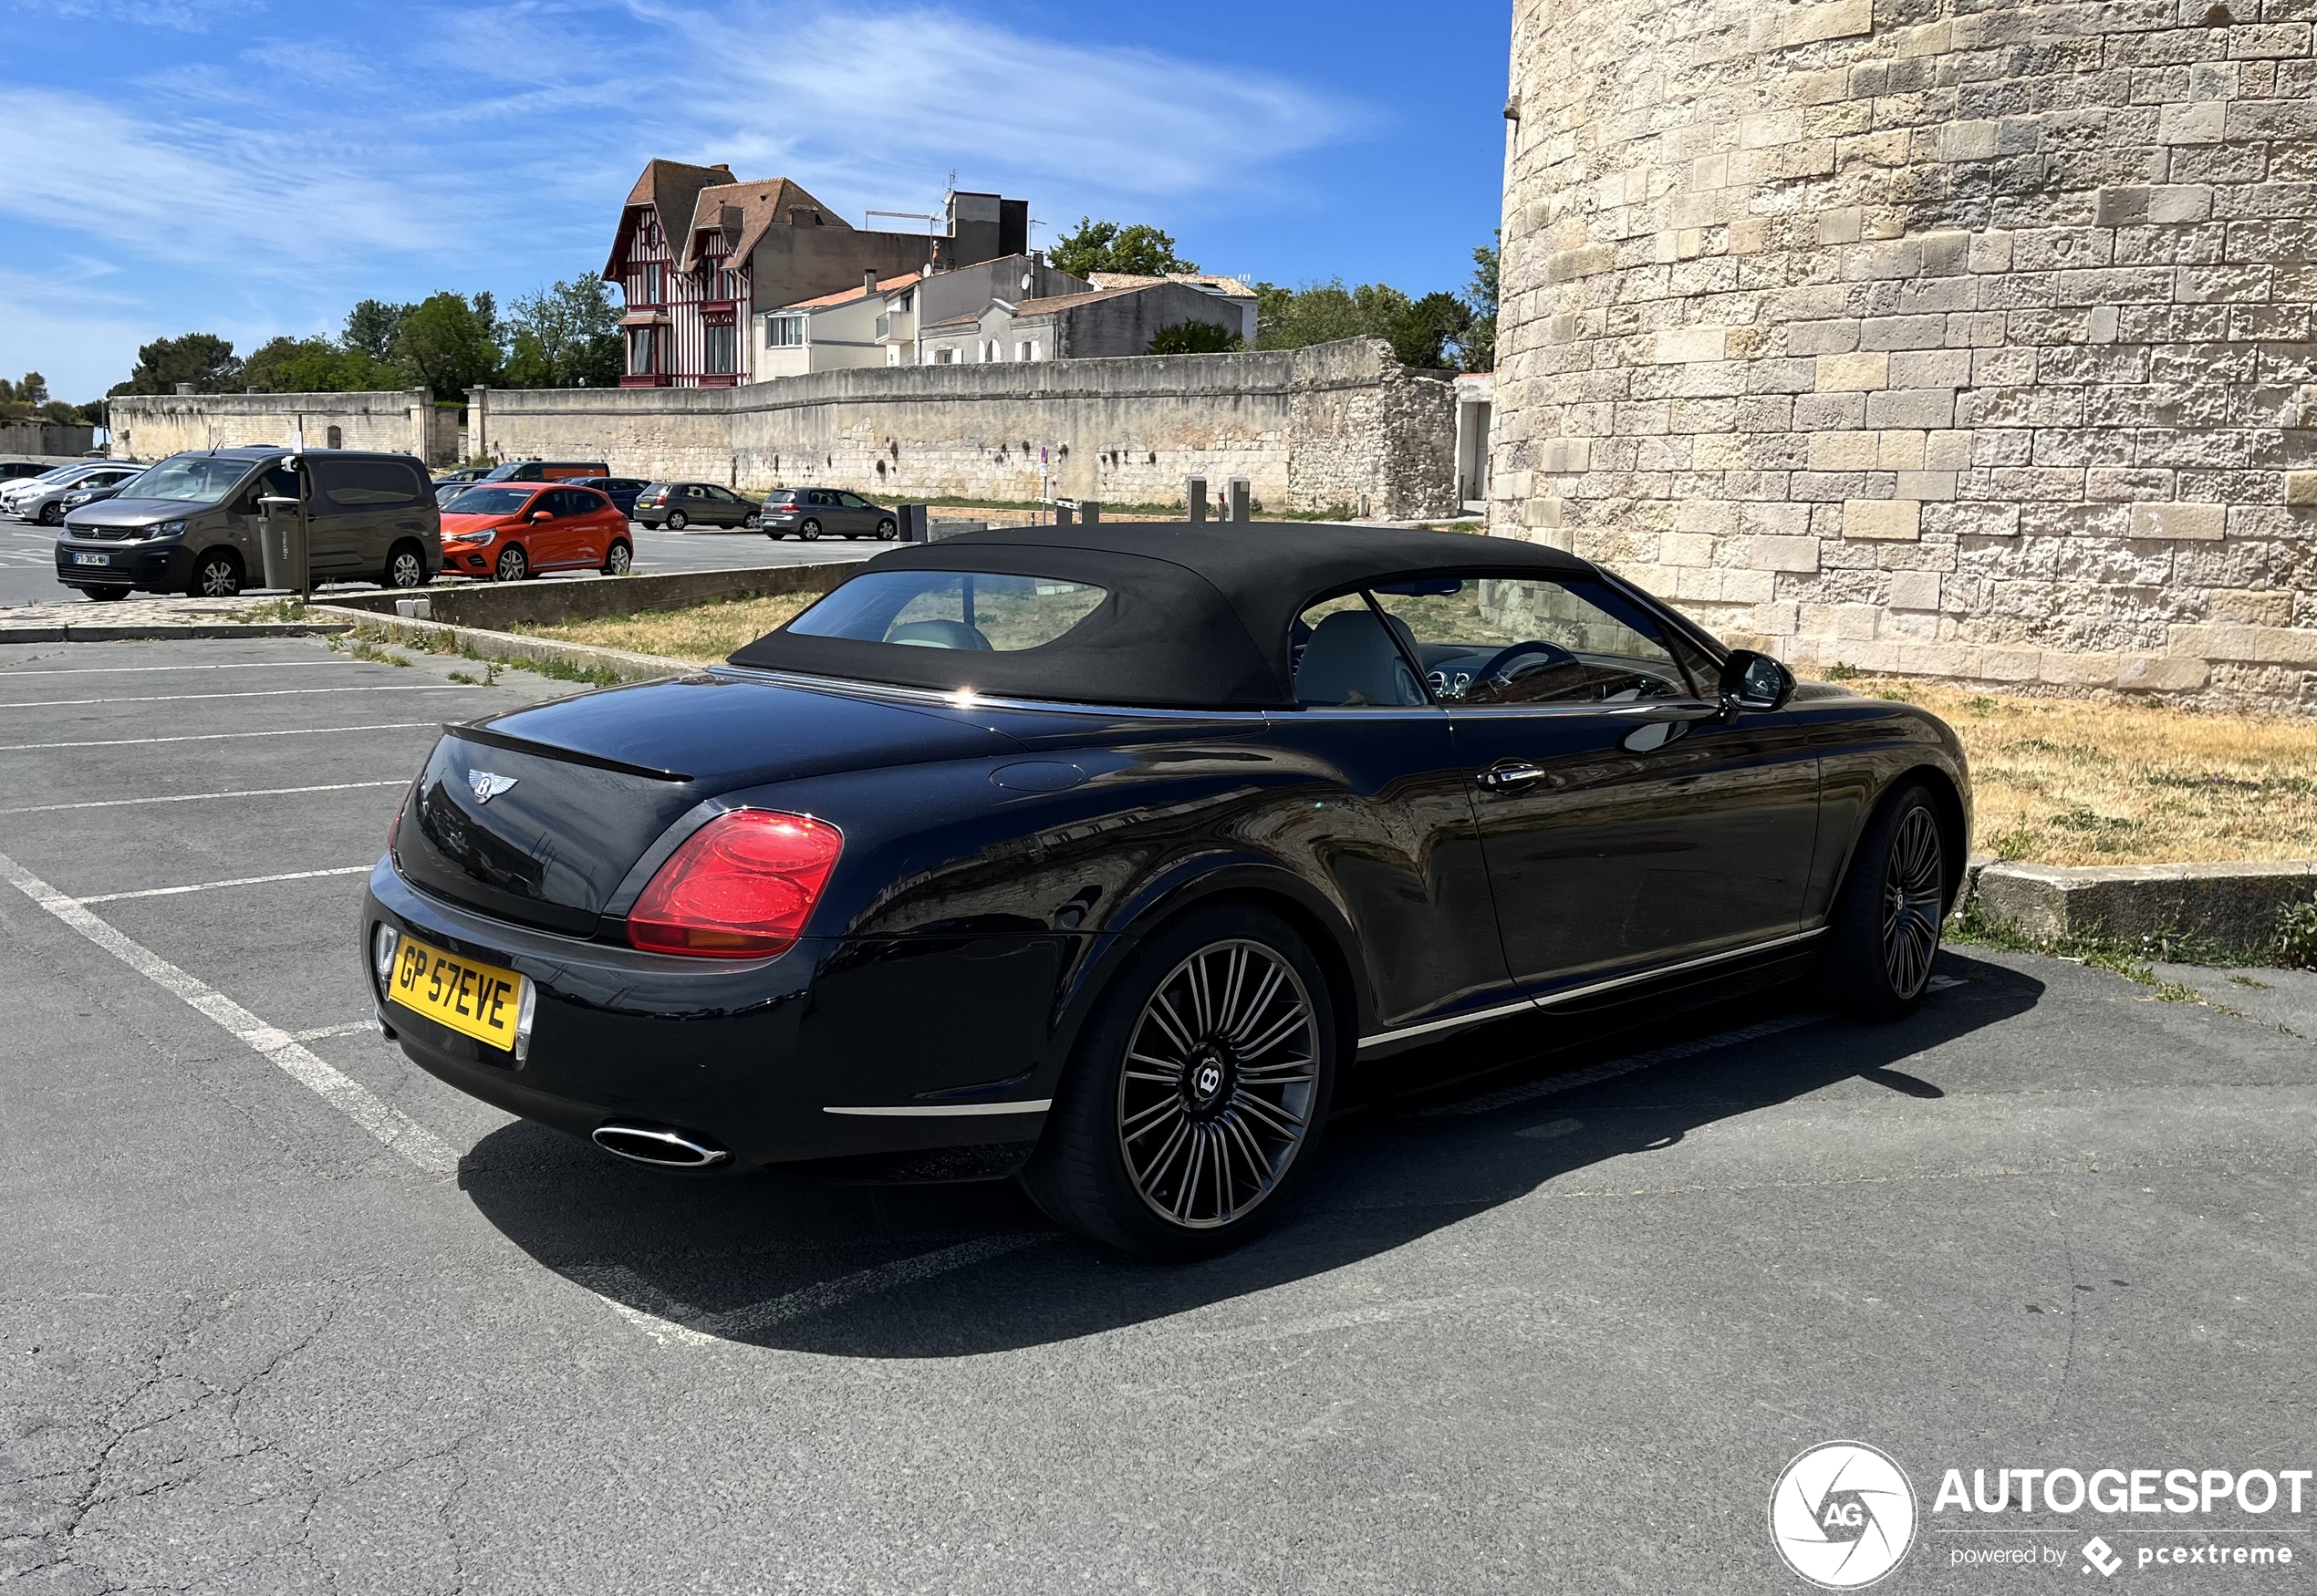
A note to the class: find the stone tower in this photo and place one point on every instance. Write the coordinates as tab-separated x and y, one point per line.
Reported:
1955	338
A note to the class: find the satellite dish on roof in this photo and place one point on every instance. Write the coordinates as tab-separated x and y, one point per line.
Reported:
1026	280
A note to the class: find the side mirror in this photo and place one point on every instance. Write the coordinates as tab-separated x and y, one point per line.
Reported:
1754	681
541	515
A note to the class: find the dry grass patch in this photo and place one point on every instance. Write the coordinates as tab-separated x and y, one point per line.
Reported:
705	633
2070	782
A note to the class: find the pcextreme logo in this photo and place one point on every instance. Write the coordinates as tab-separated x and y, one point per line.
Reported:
1842	1514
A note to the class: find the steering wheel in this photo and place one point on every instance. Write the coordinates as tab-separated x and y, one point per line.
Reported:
1498	670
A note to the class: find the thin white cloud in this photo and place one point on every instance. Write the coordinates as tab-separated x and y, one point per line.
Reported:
188	15
263	201
898	97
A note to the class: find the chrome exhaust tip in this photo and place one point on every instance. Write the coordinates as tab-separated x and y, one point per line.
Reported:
663	1149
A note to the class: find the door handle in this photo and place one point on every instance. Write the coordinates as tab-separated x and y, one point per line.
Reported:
1509	774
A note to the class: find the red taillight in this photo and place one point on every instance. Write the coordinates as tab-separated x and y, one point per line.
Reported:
742	886
396	824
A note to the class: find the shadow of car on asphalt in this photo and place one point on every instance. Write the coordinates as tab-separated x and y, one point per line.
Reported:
823	1268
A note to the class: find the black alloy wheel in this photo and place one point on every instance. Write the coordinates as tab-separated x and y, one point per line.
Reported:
1198	1092
887	530
677	521
809	530
217	575
1886	929
514	565
752	520
405	567
617	558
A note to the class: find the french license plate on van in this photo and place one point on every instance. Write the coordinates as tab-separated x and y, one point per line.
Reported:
477	1000
92	559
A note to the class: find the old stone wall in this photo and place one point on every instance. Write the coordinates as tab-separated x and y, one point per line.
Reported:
403	420
1329	428
1958	337
38	440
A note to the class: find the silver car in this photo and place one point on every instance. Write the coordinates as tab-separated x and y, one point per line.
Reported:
42	498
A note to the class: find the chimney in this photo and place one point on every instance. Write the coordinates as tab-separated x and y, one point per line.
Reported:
869	283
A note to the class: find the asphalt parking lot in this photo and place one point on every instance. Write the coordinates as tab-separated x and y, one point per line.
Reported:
283	1313
28	557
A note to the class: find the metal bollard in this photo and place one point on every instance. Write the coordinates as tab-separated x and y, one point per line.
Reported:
1061	513
1241	496
914	523
1090	511
1194	499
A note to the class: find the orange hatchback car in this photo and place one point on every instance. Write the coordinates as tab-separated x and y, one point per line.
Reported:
507	531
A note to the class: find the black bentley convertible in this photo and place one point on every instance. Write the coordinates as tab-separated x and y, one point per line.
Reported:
1113	857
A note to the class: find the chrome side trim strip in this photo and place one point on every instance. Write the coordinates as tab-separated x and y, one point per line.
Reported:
1664	969
946	1110
1476	1018
1574	993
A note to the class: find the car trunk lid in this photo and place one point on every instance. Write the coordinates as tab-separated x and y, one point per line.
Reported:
538	817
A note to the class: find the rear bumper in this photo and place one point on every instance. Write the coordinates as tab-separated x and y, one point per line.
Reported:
750	1057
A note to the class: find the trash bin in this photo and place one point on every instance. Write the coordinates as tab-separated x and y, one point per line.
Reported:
281	539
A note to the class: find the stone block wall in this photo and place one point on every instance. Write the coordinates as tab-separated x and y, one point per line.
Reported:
45	439
399	421
1966	338
1330	428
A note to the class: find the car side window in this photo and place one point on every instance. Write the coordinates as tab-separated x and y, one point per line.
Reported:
722	495
823	497
695	492
1525	640
1345	657
853	500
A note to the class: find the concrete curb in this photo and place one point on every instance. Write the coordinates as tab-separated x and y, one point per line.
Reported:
165	634
2233	906
509	645
496	606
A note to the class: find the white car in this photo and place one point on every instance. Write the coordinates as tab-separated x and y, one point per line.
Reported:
42	498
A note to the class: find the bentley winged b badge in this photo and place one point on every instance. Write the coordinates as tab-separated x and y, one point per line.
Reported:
488	786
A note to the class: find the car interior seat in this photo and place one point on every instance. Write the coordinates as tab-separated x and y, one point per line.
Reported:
938	635
1351	660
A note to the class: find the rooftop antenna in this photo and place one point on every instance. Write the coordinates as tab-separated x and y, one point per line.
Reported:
954	184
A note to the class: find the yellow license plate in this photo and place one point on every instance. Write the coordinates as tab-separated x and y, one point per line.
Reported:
481	1001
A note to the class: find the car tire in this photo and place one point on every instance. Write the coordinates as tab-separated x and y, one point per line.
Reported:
1185	1168
107	595
887	530
809	530
617	558
52	514
752	520
1883	935
677	521
513	564
405	567
216	574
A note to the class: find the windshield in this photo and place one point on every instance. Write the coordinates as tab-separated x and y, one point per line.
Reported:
192	479
489	502
974	610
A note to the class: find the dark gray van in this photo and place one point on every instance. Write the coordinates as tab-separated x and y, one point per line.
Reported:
190	524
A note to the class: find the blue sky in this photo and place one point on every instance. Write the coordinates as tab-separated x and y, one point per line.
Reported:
231	166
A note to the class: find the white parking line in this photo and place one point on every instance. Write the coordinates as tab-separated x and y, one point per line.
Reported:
181	669
276	692
1625	1067
666	1319
393	1128
323	1032
197	797
216	736
236	881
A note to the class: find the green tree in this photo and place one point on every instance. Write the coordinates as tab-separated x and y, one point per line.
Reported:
1194	338
203	359
372	327
19	401
315	365
1417	329
449	342
1104	246
1477	344
566	336
1421	334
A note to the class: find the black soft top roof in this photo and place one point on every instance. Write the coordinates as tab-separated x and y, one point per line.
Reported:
1198	617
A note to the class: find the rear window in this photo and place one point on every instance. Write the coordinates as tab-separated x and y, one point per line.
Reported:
781	496
978	611
489	502
346	487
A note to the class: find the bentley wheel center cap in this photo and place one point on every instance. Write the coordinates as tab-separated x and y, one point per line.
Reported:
1210	1079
